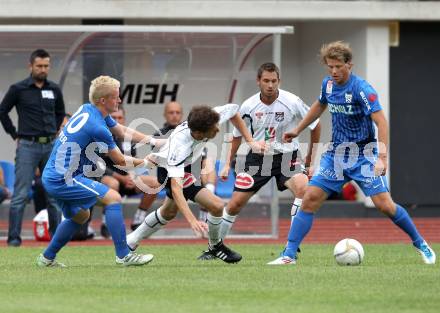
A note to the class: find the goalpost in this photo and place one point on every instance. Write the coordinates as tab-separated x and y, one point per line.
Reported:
155	64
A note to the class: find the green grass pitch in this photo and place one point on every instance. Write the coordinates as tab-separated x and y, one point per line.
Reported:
392	278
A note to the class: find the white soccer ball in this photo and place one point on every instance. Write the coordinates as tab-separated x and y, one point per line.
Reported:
348	252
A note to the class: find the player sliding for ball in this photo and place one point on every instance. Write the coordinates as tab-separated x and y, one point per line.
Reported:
174	159
356	154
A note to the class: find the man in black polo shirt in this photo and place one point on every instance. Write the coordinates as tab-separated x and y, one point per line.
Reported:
40	109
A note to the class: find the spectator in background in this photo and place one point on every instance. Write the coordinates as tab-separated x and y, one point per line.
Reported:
40	108
39	195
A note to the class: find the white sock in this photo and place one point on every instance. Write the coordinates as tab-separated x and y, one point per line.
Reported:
139	216
152	223
227	222
203	215
295	207
214	223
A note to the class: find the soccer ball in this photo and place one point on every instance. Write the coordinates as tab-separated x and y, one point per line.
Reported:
348	252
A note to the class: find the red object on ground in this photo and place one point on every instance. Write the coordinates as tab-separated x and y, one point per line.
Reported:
41	231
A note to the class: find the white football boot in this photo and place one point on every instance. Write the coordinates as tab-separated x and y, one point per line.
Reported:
134	259
428	255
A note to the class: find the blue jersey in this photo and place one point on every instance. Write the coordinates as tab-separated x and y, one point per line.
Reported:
74	149
350	105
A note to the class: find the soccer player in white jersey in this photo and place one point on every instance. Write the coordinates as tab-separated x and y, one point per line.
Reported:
174	159
67	172
268	114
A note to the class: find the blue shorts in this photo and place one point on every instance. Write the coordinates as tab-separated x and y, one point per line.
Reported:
332	175
81	193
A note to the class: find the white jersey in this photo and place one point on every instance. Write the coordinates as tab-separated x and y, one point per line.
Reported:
182	149
269	122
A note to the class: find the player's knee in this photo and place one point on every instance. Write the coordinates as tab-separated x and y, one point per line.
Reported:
81	217
116	198
111	182
234	206
299	185
387	208
217	208
310	202
112	196
168	213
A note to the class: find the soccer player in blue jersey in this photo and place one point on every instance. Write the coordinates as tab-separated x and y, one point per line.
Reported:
65	176
356	154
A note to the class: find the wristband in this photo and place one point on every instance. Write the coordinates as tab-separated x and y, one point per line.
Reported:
210	187
148	164
152	142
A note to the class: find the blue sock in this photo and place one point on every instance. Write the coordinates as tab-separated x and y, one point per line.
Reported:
402	219
62	235
301	225
116	226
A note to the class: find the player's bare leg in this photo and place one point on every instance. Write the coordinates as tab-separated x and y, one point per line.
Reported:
147	200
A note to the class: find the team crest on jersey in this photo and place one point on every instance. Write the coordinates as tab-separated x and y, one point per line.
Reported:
372	97
244	181
329	87
259	115
348	97
279	116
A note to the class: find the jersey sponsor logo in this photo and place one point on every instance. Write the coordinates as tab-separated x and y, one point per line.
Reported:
244	181
329	88
343	109
372	97
364	98
269	133
348	97
188	180
279	116
259	115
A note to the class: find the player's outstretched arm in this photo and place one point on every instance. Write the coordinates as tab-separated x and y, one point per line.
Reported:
315	135
125	161
232	152
256	146
380	120
208	175
131	135
198	227
314	113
